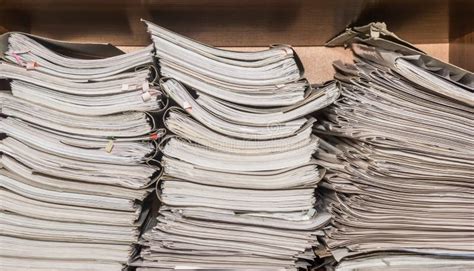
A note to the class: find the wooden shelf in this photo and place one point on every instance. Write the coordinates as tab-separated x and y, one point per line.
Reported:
461	36
242	23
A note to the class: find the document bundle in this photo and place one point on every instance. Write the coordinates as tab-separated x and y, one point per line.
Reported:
76	150
235	160
238	184
399	149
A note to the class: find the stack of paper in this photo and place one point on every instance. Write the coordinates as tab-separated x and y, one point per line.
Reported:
399	150
74	151
238	189
267	78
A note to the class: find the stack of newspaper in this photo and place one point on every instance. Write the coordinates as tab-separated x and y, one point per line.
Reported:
399	152
238	189
75	141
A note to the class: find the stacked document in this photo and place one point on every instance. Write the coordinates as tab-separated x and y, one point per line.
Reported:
238	184
399	148
262	79
76	150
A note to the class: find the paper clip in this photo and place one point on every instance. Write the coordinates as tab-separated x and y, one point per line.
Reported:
154	136
187	106
374	33
109	146
31	65
145	86
146	96
17	58
288	50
